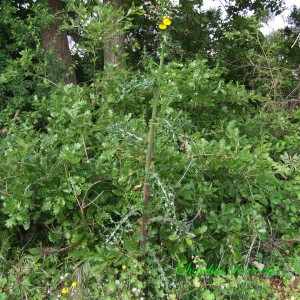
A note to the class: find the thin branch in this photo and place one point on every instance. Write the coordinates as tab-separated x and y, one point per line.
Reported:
197	214
96	198
5	193
249	251
44	78
296	240
86	192
49	251
298	37
179	181
16	115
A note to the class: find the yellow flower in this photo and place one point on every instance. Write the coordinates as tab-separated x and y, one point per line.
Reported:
74	284
124	267
65	290
162	26
167	21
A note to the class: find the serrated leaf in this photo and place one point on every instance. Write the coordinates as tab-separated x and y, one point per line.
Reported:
10	222
173	237
189	241
202	229
46	204
207	295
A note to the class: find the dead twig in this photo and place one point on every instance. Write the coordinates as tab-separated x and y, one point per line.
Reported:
48	251
5	129
296	240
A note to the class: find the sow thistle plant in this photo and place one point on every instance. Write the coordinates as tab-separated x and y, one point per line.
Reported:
166	21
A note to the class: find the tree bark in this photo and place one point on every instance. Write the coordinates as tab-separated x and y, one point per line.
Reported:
57	41
115	45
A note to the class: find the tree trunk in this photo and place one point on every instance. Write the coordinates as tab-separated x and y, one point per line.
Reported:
57	41
115	45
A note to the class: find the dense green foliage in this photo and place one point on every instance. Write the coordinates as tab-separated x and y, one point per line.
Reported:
224	177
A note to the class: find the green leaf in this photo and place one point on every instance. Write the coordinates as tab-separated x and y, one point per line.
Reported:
10	222
201	229
207	295
173	237
196	282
